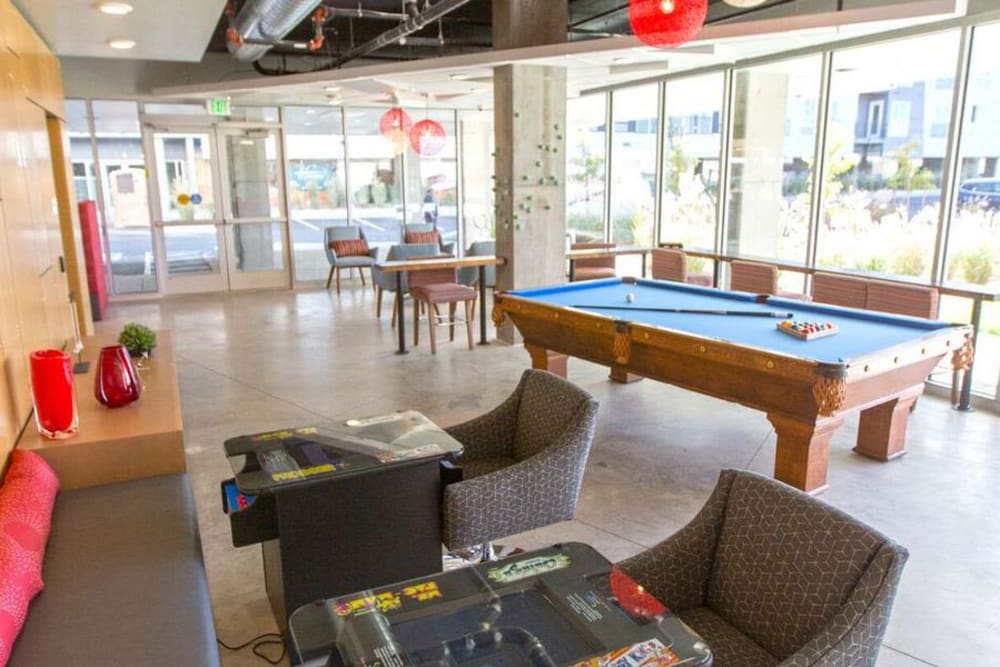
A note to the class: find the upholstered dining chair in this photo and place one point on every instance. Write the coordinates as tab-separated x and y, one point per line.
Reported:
347	248
593	268
768	575
386	282
469	275
522	464
432	288
422	232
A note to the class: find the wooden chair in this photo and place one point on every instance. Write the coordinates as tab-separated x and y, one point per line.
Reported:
593	268
432	288
912	300
753	277
840	290
671	264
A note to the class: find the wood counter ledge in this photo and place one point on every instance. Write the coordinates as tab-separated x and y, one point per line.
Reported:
141	440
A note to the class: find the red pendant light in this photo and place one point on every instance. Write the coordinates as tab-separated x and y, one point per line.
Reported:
427	137
666	23
395	121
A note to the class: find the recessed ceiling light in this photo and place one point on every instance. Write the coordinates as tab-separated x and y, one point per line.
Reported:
307	124
333	100
332	89
623	61
310	111
300	45
460	77
115	8
121	43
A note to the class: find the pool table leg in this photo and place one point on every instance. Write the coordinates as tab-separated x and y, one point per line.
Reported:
619	374
547	360
882	428
803	450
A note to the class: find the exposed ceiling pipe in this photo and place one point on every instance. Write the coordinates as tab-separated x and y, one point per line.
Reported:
264	21
407	27
362	13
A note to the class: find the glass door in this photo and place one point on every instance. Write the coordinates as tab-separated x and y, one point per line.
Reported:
218	208
186	214
256	225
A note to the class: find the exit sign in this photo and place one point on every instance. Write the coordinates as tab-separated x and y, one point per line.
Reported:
219	107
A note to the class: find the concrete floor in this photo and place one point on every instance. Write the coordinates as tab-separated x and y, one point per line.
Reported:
258	361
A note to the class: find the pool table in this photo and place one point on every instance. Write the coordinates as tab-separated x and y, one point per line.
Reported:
875	362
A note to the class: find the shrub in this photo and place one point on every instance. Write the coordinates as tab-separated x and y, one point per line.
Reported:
977	265
909	261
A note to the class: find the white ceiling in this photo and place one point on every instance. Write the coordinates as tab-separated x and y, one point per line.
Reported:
176	30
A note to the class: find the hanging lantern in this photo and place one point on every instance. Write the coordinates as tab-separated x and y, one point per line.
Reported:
394	121
427	137
666	23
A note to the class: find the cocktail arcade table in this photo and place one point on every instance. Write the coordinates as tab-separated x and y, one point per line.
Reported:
564	605
339	508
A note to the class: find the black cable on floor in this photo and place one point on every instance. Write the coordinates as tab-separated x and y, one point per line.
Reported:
264	639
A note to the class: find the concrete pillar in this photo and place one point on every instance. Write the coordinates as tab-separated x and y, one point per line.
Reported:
521	23
758	144
530	168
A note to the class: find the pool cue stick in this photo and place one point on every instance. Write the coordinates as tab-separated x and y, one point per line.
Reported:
693	311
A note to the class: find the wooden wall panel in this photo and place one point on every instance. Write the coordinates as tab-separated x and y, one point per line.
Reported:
12	357
34	304
69	223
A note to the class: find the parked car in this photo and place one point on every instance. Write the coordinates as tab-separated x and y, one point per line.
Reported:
982	192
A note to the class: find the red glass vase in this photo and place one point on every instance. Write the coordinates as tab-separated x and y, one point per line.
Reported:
53	394
116	383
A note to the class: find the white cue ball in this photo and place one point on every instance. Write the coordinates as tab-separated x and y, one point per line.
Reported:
630	297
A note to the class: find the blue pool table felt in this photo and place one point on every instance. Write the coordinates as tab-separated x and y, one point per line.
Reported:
861	333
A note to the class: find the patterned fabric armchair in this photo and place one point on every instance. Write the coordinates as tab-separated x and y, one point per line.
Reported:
768	575
523	462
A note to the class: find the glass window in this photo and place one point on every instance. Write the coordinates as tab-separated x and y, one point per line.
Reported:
126	204
374	174
81	153
314	146
633	164
691	154
885	146
432	180
477	175
774	132
973	254
586	121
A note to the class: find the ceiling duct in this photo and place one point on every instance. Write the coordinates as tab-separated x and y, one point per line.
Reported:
268	21
399	33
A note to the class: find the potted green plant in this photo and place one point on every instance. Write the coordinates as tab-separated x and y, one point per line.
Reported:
138	339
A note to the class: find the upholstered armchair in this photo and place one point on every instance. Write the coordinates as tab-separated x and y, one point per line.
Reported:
386	282
469	275
422	232
354	252
522	464
768	575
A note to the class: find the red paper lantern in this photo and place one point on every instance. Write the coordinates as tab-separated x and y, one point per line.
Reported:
427	137
666	23
395	121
